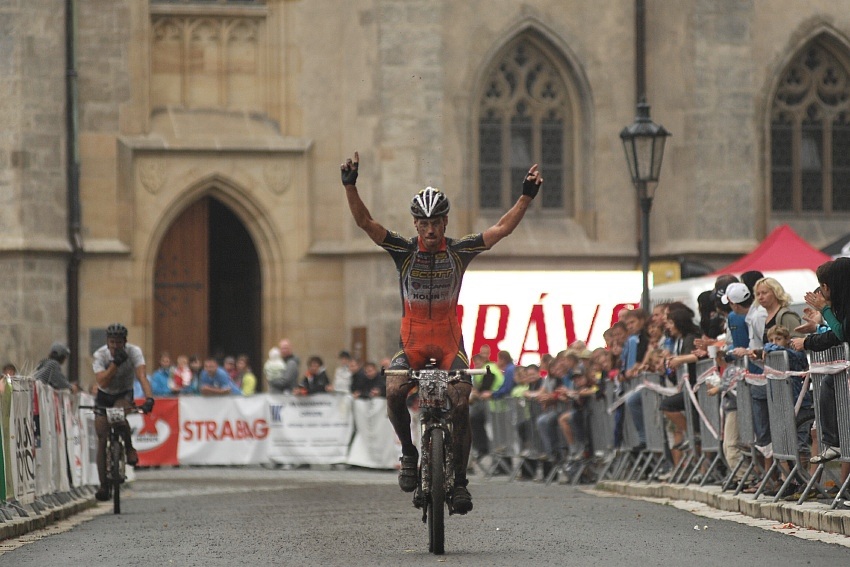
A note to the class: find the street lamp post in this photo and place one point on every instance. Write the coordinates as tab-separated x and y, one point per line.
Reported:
644	142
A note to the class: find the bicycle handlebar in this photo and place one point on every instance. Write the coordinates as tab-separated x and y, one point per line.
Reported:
452	373
101	410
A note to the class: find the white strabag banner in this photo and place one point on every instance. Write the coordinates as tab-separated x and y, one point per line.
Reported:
375	444
73	441
45	452
60	469
88	442
310	430
223	431
22	440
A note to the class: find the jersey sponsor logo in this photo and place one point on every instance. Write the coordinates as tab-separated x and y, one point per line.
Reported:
431	274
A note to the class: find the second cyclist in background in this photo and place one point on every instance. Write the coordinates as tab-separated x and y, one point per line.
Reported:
116	365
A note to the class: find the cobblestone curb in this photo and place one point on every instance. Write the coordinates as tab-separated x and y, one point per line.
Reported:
39	517
812	515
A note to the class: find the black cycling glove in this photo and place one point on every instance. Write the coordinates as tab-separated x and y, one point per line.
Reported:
147	407
530	187
120	356
349	172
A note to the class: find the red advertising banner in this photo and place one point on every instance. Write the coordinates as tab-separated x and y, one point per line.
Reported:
155	435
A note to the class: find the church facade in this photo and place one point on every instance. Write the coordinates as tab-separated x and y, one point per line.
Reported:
206	137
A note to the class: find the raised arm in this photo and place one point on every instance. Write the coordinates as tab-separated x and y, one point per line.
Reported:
510	220
361	214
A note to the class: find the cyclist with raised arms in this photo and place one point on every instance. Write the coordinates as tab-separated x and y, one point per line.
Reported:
431	268
115	366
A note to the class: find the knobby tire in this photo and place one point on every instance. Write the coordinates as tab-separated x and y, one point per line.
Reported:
437	500
116	450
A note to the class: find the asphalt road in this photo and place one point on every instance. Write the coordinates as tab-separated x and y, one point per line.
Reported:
209	517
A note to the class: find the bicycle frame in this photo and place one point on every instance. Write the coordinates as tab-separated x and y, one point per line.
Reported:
116	453
436	480
435	413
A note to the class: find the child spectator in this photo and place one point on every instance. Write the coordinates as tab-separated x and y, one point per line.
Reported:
779	339
316	380
160	379
731	439
181	376
245	375
343	373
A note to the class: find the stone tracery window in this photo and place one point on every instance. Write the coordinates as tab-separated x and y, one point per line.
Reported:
810	135
525	117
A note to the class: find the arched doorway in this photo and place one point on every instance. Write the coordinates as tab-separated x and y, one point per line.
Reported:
207	286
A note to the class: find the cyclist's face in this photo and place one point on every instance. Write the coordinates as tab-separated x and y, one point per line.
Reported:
113	343
431	231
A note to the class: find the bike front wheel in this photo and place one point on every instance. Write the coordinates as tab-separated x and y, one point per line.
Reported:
116	450
437	500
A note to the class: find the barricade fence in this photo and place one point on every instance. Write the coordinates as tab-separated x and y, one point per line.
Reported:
530	436
49	445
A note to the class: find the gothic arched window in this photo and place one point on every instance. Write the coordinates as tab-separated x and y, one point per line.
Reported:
525	117
810	135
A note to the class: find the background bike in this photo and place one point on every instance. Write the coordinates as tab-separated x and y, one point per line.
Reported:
116	452
436	462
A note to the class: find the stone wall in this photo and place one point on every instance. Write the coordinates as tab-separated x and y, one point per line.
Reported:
398	80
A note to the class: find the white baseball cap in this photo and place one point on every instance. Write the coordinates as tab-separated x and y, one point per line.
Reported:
736	293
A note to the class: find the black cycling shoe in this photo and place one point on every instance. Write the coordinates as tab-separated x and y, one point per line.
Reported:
461	500
132	456
408	474
103	494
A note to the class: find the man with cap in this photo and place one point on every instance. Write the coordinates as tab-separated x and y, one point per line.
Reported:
49	370
740	299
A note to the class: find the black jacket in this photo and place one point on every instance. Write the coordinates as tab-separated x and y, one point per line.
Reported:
821	341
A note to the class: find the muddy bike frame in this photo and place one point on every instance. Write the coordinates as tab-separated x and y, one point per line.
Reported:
436	464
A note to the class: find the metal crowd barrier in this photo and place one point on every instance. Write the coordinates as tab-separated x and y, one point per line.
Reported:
625	458
842	401
783	424
560	462
743	419
842	405
525	414
689	454
712	424
613	459
653	420
517	447
601	436
746	429
504	438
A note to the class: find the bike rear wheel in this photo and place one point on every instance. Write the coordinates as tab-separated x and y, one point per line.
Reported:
115	458
437	500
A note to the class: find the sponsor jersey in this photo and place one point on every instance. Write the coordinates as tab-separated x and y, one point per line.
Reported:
430	286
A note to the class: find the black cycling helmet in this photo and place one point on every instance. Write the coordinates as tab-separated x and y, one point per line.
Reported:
116	330
429	203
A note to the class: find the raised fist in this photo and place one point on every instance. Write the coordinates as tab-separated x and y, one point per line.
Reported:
349	169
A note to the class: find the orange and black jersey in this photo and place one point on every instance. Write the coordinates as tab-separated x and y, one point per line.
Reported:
430	282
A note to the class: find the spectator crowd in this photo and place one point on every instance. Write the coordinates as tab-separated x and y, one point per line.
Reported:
740	320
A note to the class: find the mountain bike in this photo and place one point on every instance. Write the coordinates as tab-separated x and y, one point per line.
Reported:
116	452
436	462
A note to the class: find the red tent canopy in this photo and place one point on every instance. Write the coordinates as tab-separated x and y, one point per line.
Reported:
783	249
